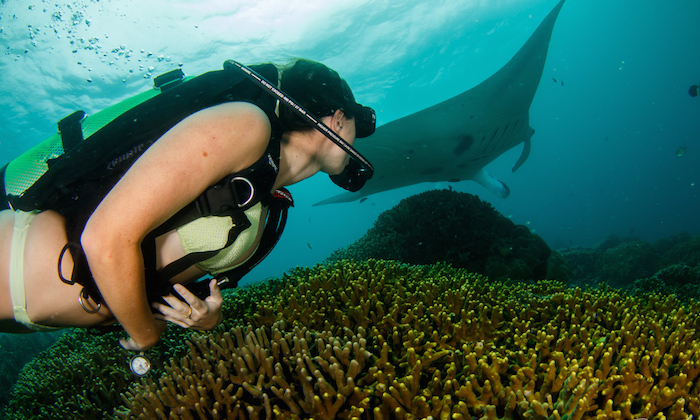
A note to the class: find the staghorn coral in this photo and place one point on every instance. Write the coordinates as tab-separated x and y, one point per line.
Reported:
84	373
77	374
383	340
460	229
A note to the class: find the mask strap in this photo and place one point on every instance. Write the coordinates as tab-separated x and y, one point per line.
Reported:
367	168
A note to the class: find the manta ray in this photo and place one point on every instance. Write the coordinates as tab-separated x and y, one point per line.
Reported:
455	139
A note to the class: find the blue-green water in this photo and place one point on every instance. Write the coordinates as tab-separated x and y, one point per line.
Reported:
603	159
611	113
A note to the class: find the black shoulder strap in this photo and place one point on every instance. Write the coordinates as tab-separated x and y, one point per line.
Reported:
274	226
231	196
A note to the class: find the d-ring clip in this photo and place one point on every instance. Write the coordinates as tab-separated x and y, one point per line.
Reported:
82	298
250	186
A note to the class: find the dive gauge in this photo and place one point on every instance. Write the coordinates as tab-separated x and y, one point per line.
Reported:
140	365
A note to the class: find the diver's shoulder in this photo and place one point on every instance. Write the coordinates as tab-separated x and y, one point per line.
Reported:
238	112
242	108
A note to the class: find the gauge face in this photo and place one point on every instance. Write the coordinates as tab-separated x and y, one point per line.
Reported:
140	365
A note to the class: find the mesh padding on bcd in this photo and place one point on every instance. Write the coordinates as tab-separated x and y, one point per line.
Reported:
98	120
23	171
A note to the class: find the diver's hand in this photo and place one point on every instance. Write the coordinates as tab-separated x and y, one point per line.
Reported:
194	313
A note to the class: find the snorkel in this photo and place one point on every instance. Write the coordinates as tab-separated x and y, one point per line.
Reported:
358	171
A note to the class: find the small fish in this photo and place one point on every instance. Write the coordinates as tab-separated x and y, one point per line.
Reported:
309	245
555	80
694	90
363	199
681	151
562	82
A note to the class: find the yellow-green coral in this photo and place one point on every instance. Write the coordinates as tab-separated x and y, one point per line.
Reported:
381	340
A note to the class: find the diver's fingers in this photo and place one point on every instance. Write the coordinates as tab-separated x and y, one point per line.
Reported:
176	311
192	300
174	320
176	304
215	292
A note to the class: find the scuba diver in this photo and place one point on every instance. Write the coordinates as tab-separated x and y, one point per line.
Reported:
113	217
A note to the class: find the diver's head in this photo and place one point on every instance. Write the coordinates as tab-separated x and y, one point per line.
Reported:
322	92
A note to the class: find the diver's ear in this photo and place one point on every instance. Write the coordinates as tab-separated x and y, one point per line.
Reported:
338	120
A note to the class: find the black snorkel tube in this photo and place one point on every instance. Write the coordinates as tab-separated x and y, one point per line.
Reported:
358	171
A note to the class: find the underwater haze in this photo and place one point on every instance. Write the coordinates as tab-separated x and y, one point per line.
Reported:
616	148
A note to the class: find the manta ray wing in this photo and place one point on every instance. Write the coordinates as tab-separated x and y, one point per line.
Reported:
455	139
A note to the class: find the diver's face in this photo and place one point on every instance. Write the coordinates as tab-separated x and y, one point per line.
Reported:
348	131
335	159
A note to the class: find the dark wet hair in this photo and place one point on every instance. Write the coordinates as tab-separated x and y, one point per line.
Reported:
317	88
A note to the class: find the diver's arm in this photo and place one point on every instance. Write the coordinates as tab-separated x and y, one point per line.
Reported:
193	155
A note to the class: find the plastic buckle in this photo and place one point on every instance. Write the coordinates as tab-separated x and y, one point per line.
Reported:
168	80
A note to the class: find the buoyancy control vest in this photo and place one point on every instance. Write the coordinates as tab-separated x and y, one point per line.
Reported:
72	171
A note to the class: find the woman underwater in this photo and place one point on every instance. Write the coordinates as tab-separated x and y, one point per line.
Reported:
195	154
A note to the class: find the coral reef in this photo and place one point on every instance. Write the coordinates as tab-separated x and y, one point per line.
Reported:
670	265
383	340
678	279
84	372
17	350
460	229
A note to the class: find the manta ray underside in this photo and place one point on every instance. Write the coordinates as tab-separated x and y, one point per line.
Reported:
455	139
